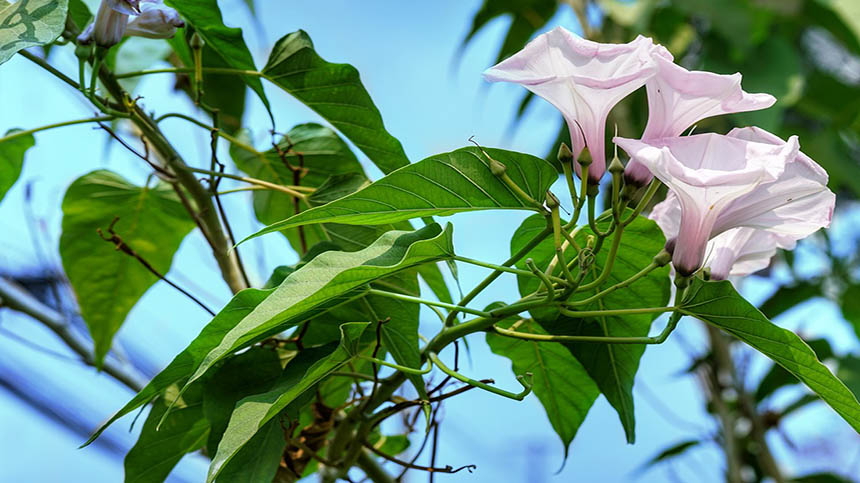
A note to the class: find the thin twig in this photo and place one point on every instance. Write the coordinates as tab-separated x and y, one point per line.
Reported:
447	469
120	245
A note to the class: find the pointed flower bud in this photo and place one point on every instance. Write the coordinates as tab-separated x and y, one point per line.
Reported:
551	200
497	168
109	26
564	154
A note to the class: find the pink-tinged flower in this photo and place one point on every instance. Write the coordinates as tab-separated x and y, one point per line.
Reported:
109	26
582	79
735	252
725	182
678	98
155	21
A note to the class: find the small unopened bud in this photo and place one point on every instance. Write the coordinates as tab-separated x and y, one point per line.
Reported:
616	167
497	168
663	258
593	189
565	155
196	41
84	52
584	160
551	200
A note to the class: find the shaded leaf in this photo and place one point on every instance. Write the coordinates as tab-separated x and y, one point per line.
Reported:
560	382
671	452
718	304
12	159
336	93
789	296
778	377
441	185
302	373
158	450
259	458
26	23
108	282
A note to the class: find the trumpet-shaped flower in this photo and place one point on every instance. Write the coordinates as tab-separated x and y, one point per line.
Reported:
155	21
749	178
582	79
735	252
678	98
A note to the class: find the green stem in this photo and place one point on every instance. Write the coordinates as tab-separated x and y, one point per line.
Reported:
610	261
645	271
501	268
372	469
52	126
571	184
616	312
418	300
643	202
496	273
519	192
559	249
592	222
583	189
658	339
190	70
527	385
254	181
550	291
407	370
232	140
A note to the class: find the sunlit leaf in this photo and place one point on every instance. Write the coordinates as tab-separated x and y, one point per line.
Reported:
718	304
108	282
560	382
336	93
441	185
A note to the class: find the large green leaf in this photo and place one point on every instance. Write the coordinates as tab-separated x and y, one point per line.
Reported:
612	366
107	282
26	23
177	372
302	373
336	93
12	159
328	280
227	42
441	185
527	17
158	449
560	382
777	377
718	304
259	458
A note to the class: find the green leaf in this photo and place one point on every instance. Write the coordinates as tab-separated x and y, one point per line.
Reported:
107	281
851	307
528	16
250	372
26	23
259	458
320	156
671	452
177	372
302	373
329	280
227	42
778	377
562	385
718	304
336	93
441	185
392	445
80	14
612	366
158	450
12	159
432	275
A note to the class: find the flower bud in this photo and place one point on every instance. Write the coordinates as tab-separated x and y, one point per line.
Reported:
616	167
551	200
196	41
664	257
108	28
497	168
565	155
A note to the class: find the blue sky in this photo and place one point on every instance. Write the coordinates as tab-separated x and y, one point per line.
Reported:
406	56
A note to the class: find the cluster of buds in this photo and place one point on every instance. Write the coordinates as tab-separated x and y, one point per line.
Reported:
152	19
